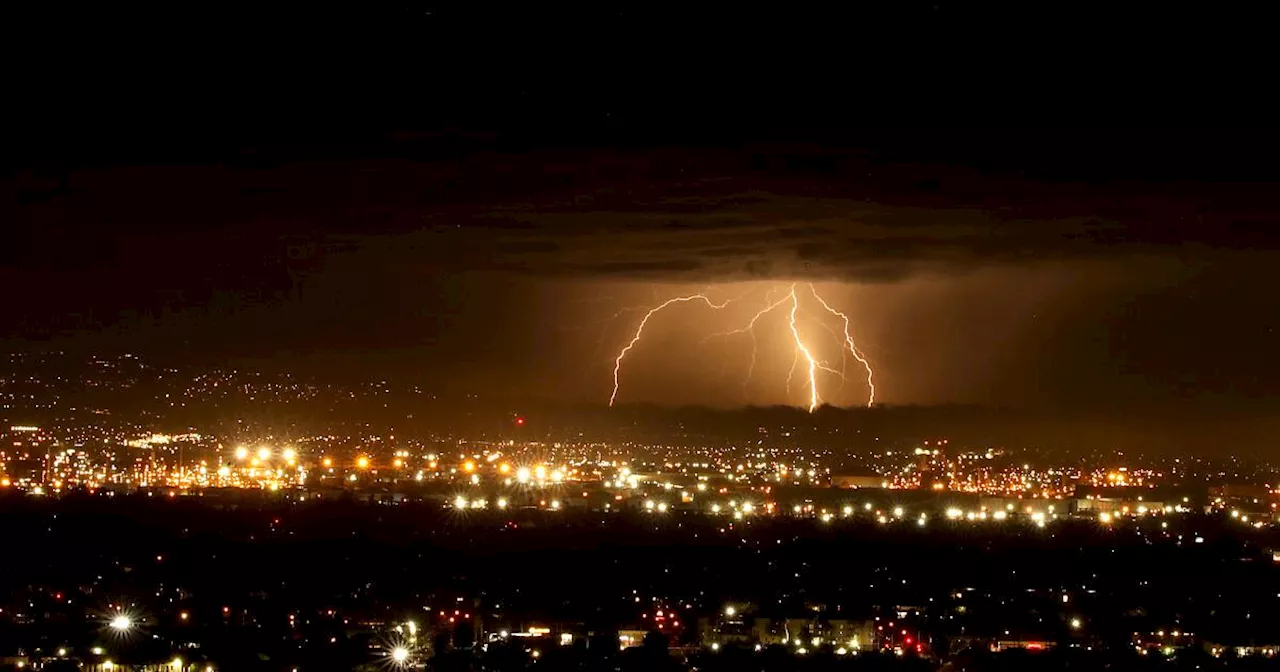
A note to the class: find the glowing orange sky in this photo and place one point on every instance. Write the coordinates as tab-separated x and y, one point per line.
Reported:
931	339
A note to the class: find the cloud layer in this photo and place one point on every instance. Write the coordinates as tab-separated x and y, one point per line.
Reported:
112	243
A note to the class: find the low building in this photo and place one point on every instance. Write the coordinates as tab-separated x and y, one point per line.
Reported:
1117	506
859	481
1022	644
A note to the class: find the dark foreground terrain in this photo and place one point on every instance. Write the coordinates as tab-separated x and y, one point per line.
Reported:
342	585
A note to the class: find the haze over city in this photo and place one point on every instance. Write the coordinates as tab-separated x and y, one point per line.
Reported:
522	276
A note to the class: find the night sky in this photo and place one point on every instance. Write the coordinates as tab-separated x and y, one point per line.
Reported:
476	202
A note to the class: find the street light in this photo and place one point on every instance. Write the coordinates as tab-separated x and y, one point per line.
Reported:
121	623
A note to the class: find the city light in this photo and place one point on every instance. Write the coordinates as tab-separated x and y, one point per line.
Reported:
320	488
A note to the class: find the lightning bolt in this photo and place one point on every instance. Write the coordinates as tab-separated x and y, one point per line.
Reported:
750	330
848	343
813	364
791	372
803	350
635	338
844	357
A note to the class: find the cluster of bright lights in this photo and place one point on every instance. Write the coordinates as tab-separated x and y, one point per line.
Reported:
625	479
538	475
264	454
659	507
738	510
461	502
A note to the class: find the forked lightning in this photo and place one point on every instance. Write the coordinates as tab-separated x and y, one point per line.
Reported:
803	350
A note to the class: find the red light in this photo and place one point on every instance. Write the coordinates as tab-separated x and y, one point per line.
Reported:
520	422
907	641
1035	647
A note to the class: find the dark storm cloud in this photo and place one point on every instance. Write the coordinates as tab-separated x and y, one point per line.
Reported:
664	266
779	236
111	244
517	247
846	226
